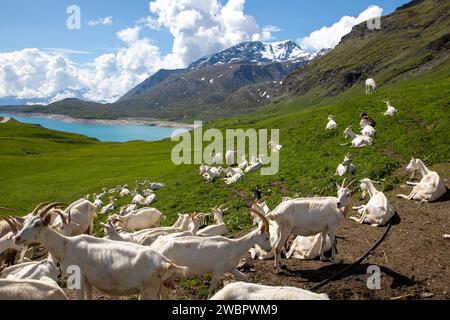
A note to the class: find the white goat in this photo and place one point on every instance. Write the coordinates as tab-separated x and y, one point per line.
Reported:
378	211
109	208
215	255
219	229
430	188
255	165
368	131
371	86
257	252
253	292
141	219
275	147
331	125
44	270
346	167
308	217
357	140
308	248
127	209
391	111
80	216
244	163
230	157
238	176
30	290
115	268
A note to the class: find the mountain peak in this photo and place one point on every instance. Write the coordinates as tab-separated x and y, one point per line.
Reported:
255	52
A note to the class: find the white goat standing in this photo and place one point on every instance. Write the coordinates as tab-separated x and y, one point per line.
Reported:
371	86
346	167
308	217
378	211
430	188
357	140
115	268
216	255
391	111
253	292
331	125
80	216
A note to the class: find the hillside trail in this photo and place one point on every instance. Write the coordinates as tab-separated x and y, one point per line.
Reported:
5	120
414	258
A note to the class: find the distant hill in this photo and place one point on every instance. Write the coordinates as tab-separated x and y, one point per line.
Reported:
204	88
411	40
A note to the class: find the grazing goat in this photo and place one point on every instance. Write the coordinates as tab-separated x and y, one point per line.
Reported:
141	219
331	125
429	189
219	229
114	268
346	167
308	248
391	111
216	255
378	211
357	140
371	86
30	290
308	217
253	292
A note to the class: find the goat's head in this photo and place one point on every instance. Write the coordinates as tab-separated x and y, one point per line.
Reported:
347	160
365	187
33	226
348	131
344	195
413	165
330	118
65	225
109	228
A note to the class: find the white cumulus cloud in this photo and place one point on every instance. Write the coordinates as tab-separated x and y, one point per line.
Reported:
107	21
329	37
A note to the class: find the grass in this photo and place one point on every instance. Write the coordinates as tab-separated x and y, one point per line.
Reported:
38	165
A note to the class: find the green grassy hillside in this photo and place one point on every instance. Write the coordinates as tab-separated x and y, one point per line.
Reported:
39	165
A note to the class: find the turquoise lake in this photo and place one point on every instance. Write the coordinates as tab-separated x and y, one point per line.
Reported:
101	132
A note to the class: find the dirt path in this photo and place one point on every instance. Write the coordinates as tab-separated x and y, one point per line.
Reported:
414	258
5	120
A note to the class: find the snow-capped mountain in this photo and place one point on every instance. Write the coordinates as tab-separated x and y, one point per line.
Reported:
255	52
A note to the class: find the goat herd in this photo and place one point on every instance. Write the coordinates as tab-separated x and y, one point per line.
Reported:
139	257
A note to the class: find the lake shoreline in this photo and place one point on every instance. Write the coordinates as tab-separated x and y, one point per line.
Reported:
119	121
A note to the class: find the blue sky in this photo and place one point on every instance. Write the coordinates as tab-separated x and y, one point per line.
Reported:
40	58
41	24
